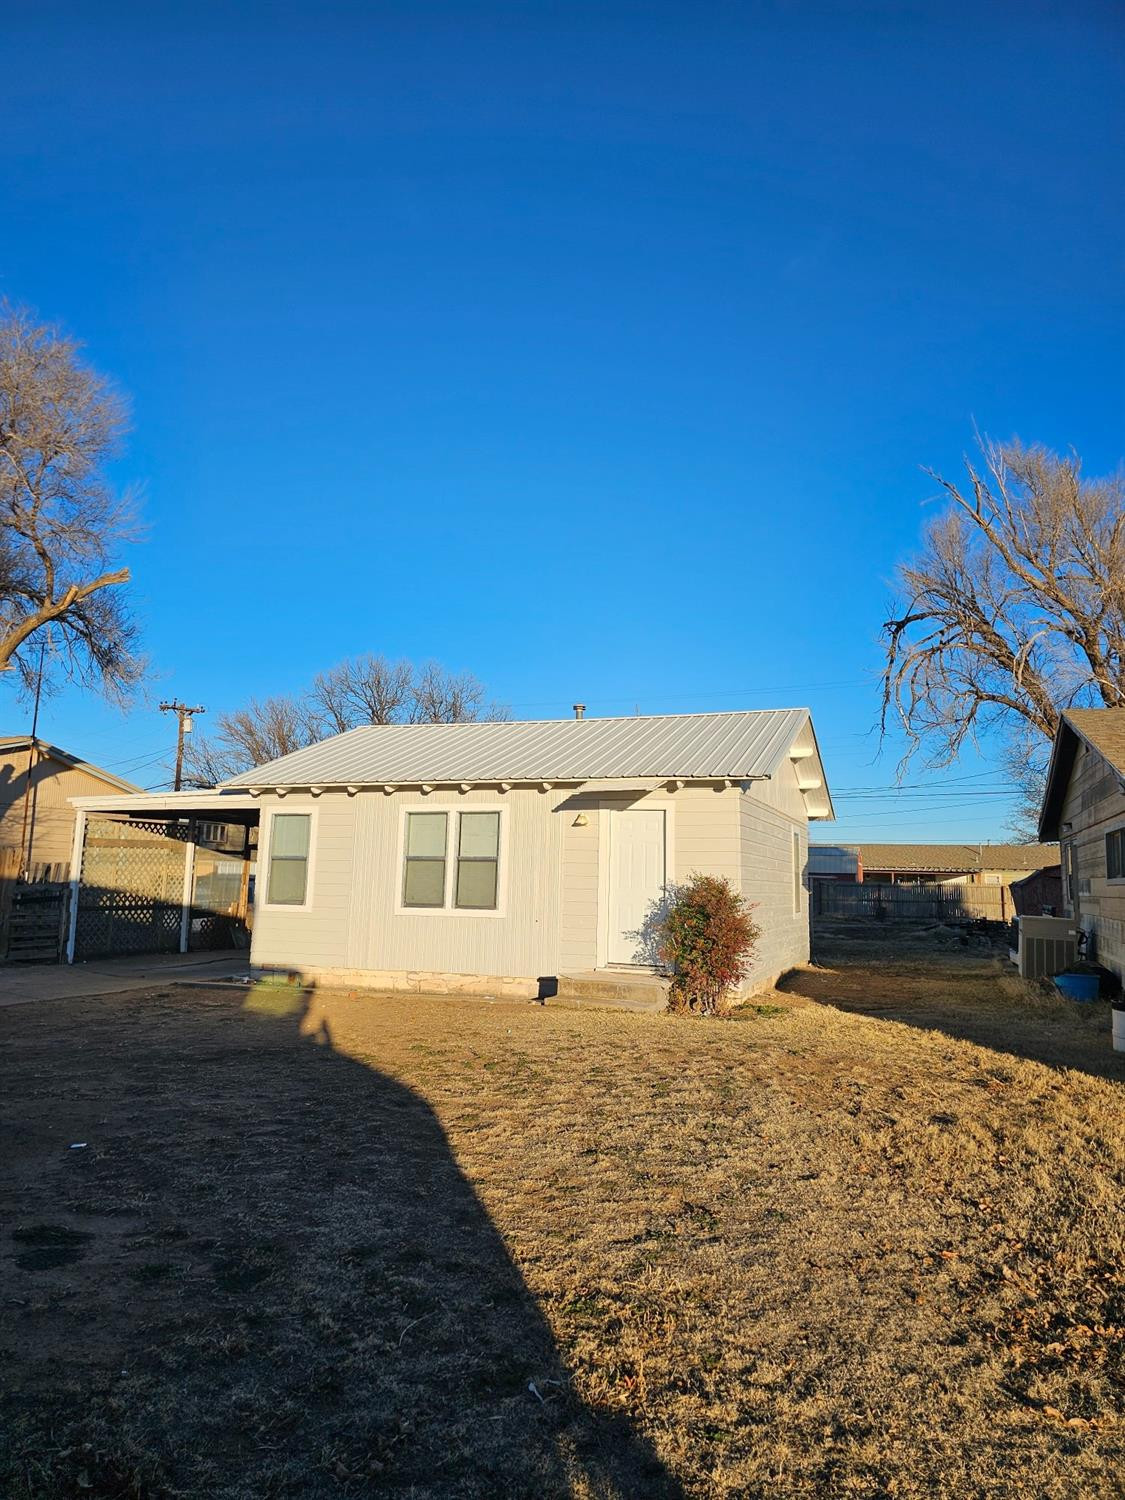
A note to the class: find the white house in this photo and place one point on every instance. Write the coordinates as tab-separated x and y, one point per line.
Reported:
488	856
484	857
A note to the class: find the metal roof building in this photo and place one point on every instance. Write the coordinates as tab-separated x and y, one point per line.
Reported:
743	746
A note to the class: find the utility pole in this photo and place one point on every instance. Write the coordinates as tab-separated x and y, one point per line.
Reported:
27	839
183	712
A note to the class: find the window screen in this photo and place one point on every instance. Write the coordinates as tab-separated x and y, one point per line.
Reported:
1115	854
289	859
478	860
423	880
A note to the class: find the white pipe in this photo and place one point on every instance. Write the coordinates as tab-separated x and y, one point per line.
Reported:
76	851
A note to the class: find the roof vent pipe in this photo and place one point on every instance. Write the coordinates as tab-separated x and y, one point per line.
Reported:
579	710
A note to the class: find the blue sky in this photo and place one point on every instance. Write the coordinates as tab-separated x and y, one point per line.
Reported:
594	348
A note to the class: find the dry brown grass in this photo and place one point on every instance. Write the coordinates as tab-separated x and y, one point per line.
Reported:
804	1252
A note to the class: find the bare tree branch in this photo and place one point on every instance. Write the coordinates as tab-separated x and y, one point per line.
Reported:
61	521
362	690
1013	611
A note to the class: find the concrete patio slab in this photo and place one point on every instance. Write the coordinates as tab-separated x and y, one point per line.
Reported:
26	984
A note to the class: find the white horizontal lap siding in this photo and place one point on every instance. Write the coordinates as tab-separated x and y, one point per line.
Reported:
317	933
578	912
521	941
703	836
707	838
767	882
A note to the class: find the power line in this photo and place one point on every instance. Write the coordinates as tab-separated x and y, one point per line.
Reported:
631	698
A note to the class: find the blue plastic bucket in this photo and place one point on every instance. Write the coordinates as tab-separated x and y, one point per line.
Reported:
1078	986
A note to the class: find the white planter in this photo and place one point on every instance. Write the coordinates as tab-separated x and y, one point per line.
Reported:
1118	1029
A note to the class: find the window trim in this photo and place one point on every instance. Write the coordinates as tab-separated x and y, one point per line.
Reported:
265	855
453	810
1109	833
1069	872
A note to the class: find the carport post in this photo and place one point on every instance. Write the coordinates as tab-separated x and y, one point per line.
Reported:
189	881
75	881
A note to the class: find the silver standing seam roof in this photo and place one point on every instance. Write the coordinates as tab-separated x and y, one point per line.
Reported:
717	746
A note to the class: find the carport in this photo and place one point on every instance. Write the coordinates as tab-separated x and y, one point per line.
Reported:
169	872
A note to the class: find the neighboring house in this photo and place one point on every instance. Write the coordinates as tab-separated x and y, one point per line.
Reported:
1084	807
487	857
36	817
958	864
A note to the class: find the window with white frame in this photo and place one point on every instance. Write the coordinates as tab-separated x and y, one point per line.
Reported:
289	859
797	874
451	861
423	880
1115	854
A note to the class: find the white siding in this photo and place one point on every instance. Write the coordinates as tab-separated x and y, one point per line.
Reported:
707	838
353	924
315	937
549	923
578	920
767	880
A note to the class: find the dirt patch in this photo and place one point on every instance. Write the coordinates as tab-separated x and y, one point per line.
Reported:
355	1245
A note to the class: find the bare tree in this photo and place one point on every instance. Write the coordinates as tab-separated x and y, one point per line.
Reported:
441	697
61	520
1015	609
266	729
362	690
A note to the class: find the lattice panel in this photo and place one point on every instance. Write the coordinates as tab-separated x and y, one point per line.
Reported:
131	896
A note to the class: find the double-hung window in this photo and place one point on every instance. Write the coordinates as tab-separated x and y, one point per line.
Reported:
423	881
1115	854
478	860
451	861
288	883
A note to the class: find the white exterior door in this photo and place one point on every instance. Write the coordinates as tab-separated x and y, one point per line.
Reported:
637	876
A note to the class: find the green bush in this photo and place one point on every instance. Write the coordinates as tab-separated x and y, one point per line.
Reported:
705	937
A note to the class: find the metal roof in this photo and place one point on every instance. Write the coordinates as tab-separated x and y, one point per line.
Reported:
701	747
833	859
183	803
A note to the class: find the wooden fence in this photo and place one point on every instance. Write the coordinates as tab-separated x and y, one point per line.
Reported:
943	903
37	921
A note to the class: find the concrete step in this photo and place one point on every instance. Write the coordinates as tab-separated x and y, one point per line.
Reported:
640	992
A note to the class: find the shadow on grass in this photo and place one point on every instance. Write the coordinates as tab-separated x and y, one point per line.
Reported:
931	995
291	1288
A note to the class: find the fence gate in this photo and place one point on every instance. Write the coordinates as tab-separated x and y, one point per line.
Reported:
37	923
130	898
